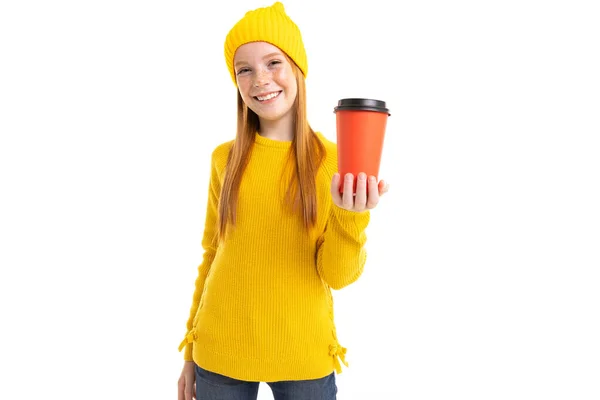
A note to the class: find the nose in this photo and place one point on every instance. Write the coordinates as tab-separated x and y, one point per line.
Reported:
261	78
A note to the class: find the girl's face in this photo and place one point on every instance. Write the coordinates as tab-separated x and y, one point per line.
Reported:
265	80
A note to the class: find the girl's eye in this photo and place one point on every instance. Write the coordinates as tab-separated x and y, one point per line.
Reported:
242	70
275	62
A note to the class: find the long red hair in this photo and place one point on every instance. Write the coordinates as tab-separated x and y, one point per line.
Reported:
306	155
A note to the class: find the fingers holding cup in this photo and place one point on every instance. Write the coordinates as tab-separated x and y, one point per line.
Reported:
360	201
348	195
383	187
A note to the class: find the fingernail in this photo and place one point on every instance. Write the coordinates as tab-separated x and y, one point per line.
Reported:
372	178
349	177
362	176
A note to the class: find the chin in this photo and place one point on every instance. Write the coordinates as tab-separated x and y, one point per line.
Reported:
271	117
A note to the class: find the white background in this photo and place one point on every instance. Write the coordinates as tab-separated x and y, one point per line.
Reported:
482	277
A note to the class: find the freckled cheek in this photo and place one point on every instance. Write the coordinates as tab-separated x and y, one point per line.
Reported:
244	87
282	77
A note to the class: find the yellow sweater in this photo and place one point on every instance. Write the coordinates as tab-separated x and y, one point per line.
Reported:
262	309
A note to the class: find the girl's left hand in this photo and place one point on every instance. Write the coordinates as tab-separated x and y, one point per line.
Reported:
367	195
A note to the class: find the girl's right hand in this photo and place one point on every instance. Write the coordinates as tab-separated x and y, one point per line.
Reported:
186	388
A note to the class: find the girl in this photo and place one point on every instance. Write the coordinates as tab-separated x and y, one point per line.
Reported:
278	235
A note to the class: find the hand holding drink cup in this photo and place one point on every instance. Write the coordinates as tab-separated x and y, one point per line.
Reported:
360	135
366	197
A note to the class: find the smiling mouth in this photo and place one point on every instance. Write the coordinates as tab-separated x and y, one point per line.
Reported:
268	96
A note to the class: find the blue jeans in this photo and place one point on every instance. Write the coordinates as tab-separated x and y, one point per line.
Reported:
212	386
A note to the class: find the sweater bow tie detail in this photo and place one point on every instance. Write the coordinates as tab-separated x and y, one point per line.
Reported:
337	351
190	337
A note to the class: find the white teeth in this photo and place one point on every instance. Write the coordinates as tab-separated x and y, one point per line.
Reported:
268	97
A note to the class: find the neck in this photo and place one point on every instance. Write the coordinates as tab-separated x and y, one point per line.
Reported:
281	129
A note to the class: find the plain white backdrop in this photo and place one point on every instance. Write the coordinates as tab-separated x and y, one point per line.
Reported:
482	274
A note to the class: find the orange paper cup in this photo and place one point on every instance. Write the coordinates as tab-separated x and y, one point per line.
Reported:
360	127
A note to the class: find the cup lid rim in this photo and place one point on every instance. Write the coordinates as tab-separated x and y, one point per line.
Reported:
357	103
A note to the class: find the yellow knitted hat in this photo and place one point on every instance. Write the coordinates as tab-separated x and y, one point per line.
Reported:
271	25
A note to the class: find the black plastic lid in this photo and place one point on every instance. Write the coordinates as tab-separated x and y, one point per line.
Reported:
362	104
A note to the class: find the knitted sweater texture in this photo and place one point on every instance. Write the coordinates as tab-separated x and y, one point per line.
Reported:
262	308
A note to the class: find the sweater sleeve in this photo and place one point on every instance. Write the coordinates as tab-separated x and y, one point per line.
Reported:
341	255
210	249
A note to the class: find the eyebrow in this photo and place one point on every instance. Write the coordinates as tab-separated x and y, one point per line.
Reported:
277	53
